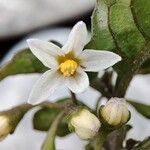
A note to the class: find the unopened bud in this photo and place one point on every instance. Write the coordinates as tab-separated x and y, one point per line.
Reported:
10	119
84	123
5	127
115	112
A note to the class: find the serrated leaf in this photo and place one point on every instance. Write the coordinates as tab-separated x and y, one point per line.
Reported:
23	62
143	109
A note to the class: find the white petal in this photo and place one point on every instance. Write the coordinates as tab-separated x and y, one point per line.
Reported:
45	52
45	86
77	39
79	82
96	60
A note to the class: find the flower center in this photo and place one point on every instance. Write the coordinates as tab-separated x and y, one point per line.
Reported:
68	67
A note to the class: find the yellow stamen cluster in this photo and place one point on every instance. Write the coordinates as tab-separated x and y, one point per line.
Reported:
68	67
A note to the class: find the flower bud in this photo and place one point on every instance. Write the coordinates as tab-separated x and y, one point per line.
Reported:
10	119
5	127
115	112
84	123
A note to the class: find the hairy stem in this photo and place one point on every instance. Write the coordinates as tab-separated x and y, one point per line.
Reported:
74	99
49	143
100	139
23	108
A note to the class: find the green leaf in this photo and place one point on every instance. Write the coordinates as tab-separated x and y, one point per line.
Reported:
49	143
141	108
141	13
127	36
23	62
101	36
43	119
145	68
116	26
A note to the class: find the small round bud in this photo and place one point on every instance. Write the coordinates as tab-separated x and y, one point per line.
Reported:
84	123
115	112
10	119
5	127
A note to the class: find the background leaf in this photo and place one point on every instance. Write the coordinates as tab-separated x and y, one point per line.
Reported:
127	36
44	117
101	36
23	62
141	13
143	109
120	26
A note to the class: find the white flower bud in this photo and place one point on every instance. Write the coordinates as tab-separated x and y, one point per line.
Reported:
115	112
85	124
5	127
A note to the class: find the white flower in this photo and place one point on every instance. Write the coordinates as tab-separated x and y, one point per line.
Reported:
115	112
68	64
85	124
5	127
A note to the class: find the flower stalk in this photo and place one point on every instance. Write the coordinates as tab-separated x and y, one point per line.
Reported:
100	139
10	119
74	99
49	143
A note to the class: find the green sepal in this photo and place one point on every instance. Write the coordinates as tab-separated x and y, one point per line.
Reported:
44	117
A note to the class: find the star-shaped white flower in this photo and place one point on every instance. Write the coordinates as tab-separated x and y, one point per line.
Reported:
67	64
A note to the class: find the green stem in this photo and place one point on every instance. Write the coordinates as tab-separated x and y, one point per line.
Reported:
20	108
74	99
15	115
54	105
25	107
49	143
100	139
